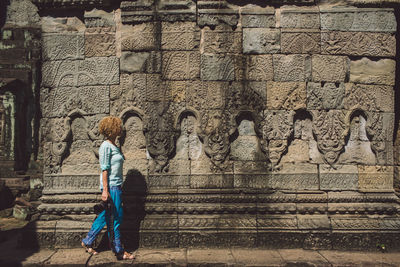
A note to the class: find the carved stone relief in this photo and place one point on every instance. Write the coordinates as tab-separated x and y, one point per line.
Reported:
330	129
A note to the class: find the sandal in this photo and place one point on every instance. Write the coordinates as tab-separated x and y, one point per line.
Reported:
89	249
125	256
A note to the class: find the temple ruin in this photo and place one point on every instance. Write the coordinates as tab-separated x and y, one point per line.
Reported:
247	123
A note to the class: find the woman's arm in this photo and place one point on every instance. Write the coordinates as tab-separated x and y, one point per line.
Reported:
104	195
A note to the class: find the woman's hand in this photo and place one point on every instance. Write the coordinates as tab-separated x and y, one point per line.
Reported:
104	195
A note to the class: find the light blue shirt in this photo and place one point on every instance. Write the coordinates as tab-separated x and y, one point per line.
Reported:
111	159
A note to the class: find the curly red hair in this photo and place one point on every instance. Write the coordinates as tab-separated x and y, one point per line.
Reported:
110	126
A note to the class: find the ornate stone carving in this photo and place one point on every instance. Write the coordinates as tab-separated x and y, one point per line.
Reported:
376	178
100	44
160	135
180	65
330	129
222	39
215	125
92	71
380	135
301	18
327	96
369	97
300	41
358	44
286	95
63	46
180	36
276	128
60	101
256	17
358	19
142	37
259	68
217	67
329	68
292	68
261	41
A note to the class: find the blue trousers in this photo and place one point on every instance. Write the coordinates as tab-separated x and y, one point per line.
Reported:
104	218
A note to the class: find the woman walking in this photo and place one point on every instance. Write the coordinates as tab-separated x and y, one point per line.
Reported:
111	163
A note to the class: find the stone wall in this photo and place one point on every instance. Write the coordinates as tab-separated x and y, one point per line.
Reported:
246	125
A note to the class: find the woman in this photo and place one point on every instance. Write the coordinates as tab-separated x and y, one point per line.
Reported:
111	161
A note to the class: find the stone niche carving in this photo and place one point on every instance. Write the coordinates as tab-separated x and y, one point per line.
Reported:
358	147
133	141
79	152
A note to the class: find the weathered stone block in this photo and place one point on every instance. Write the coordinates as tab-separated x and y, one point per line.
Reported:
180	65
58	25
137	12
375	178
358	44
92	71
299	176
250	167
373	72
100	45
369	97
148	62
130	92
183	10
329	68
259	68
167	181
222	39
258	17
261	40
266	222
316	222
251	180
99	18
358	19
212	181
245	148
212	13
217	67
180	36
327	96
140	37
342	177
300	17
300	41
71	184
62	100
292	68
206	94
286	95
259	88
298	151
63	46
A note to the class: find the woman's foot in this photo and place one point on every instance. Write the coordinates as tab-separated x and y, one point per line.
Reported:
89	249
125	256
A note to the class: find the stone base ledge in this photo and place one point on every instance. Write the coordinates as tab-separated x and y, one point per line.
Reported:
308	232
